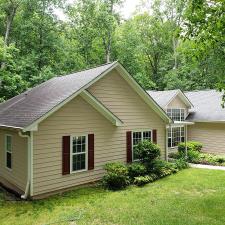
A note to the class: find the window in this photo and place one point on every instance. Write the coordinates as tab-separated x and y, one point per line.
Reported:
176	114
79	153
8	151
138	137
175	136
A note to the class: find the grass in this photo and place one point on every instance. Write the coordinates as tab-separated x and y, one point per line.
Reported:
193	196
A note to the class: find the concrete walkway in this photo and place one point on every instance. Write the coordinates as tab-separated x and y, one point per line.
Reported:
207	166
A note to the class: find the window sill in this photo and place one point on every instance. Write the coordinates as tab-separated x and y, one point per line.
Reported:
9	169
78	171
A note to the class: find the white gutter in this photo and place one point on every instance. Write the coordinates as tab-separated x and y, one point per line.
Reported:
29	145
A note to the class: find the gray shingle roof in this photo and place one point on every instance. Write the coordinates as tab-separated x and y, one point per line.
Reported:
25	108
207	106
162	97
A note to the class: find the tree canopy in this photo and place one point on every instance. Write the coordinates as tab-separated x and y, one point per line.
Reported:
164	45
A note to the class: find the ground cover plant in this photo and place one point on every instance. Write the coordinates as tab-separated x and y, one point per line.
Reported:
194	155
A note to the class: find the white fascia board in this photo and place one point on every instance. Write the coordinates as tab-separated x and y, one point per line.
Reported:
7	126
143	94
101	108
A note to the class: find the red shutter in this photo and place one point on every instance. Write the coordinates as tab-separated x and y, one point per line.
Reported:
91	144
154	136
65	155
129	147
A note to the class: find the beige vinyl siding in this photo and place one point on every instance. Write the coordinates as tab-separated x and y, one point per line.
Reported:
78	117
178	104
212	135
18	175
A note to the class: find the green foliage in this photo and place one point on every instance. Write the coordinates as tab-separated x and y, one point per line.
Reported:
162	168
191	145
136	169
116	177
181	164
147	151
211	159
142	180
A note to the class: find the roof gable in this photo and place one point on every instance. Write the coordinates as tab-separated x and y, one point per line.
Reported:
30	108
164	98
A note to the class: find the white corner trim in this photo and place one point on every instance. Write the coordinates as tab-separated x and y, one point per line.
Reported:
88	97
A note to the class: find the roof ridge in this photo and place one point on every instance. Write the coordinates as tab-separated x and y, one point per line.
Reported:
201	90
94	67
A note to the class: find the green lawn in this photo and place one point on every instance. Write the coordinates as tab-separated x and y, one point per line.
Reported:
191	197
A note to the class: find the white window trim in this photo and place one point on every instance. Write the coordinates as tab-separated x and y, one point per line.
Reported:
173	147
133	131
71	153
180	112
6	151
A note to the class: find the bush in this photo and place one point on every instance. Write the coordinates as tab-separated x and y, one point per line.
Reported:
142	180
174	155
193	156
147	151
162	168
136	170
116	177
191	145
181	164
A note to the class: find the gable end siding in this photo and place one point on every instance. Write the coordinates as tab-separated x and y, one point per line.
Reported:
78	118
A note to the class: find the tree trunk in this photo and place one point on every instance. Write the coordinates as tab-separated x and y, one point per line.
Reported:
175	43
10	17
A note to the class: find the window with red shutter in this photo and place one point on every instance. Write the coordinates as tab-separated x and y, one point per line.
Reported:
154	136
129	146
65	155
91	145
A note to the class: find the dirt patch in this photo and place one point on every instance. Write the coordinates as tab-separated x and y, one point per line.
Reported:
6	195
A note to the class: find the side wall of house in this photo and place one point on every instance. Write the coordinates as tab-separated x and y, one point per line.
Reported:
78	117
212	135
17	176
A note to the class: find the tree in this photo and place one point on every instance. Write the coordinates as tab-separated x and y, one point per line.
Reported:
205	24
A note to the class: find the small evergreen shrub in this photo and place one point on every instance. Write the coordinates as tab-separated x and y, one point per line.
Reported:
142	180
162	168
191	145
116	177
147	151
174	155
181	164
136	169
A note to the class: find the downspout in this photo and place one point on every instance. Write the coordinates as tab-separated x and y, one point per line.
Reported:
186	153
166	144
26	194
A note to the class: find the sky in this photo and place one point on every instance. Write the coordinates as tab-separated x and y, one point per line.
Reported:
126	11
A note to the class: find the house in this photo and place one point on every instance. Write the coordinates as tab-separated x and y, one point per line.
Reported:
61	133
198	113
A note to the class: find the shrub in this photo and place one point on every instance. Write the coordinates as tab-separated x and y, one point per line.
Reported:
174	155
136	170
220	159
181	164
142	180
116	177
147	151
191	145
162	168
193	156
